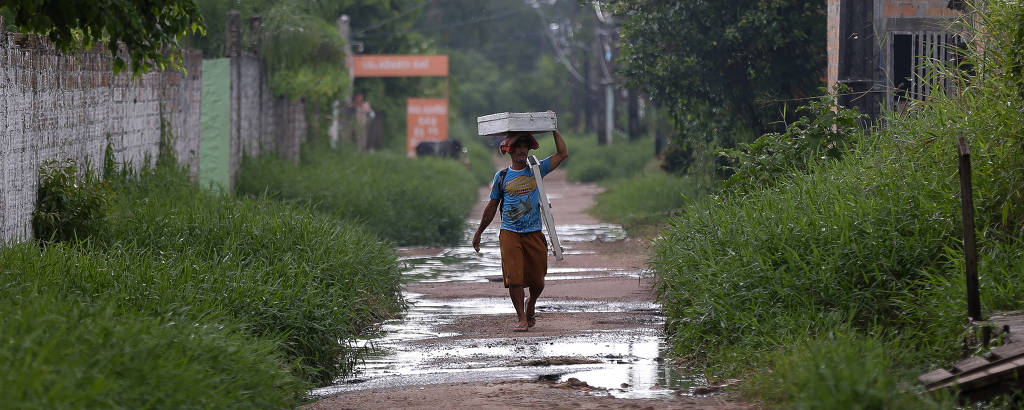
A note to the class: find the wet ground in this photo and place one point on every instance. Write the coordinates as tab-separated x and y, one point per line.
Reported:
598	334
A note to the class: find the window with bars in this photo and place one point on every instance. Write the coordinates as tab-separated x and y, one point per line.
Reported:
914	61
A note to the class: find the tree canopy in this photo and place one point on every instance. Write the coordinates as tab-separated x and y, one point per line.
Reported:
736	60
150	29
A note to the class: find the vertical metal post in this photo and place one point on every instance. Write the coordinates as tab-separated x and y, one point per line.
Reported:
967	215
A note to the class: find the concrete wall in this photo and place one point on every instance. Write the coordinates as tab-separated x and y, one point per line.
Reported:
55	106
262	123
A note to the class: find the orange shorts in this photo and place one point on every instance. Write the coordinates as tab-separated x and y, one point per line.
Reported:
524	258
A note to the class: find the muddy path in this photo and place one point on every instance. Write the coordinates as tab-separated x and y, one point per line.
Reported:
598	341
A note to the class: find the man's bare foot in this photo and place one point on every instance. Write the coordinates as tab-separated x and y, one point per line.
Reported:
531	321
523	326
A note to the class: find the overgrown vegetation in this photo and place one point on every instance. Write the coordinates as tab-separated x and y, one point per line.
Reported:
69	206
190	300
823	133
844	277
421	201
150	30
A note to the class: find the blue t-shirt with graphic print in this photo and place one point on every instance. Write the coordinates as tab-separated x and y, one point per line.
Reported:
520	211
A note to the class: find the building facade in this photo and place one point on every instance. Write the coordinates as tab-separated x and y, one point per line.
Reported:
888	51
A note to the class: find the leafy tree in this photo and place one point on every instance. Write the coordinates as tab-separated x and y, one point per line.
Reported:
151	29
503	55
734	59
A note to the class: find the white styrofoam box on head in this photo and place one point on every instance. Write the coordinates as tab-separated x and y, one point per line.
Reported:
504	122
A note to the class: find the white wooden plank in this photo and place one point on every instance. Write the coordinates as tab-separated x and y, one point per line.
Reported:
545	209
504	122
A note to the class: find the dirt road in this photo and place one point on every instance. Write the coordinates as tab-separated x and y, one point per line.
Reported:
597	343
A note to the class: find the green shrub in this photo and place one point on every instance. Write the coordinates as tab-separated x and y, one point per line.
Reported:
421	201
69	207
825	134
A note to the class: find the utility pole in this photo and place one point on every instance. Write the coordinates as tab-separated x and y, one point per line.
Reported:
606	39
344	31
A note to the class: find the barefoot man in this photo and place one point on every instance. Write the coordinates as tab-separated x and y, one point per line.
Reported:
524	250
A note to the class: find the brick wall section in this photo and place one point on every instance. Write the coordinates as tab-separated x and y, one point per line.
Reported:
55	106
917	8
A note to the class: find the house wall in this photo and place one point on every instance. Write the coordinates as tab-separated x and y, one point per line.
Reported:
890	16
917	8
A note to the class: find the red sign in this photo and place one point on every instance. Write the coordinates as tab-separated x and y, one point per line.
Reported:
426	119
399	66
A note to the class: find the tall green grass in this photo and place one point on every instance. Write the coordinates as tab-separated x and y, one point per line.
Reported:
591	162
663	196
869	243
410	202
191	299
278	269
65	348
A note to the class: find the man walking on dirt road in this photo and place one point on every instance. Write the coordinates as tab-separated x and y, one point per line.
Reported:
524	251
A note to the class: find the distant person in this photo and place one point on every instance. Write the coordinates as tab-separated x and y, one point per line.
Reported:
363	114
524	250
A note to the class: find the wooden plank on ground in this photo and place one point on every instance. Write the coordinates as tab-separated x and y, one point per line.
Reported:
1008	351
934	376
969	364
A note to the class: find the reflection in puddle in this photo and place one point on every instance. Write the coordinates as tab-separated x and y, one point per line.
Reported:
626	363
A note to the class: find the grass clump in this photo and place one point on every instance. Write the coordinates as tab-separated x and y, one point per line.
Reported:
867	244
840	369
280	270
410	202
190	299
68	351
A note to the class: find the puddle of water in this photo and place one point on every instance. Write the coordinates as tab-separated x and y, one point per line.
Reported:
628	363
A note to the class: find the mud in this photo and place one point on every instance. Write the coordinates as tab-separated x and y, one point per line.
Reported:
598	341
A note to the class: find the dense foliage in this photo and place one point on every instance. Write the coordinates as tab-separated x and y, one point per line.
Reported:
823	133
151	29
725	69
850	271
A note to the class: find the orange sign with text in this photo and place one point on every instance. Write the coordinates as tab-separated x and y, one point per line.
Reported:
426	120
399	66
